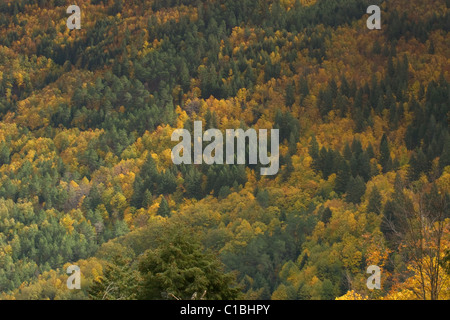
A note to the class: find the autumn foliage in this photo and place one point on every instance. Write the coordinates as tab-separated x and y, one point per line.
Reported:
86	175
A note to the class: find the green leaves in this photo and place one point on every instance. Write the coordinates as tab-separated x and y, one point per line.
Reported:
179	268
119	281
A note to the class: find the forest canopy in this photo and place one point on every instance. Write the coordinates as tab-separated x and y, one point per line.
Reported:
87	179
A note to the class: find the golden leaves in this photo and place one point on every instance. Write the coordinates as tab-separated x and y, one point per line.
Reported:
352	295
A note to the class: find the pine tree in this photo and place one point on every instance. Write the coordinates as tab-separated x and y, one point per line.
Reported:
345	88
292	144
370	151
262	196
325	102
288	169
431	48
326	162
385	154
163	209
304	89
326	215
444	159
314	153
303	261
418	164
192	183
184	77
118	282
138	193
290	94
328	290
179	268
147	199
355	189
354	166
374	201
342	177
364	169
341	105
347	152
149	176
356	147
167	182
4	154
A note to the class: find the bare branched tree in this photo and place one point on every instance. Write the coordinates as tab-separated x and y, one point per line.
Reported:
418	225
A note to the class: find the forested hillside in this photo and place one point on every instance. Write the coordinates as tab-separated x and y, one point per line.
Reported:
87	178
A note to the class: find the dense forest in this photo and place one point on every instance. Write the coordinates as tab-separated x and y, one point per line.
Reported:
87	179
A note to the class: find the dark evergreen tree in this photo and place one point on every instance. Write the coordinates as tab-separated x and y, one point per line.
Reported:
290	94
364	169
314	153
347	152
192	183
304	89
385	154
418	164
355	189
147	199
180	269
444	159
167	182
289	168
4	153
326	215
370	151
342	177
163	209
375	199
